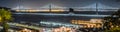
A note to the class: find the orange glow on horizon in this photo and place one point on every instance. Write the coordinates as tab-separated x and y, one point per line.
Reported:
57	10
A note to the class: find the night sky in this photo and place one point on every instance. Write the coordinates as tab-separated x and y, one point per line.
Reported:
62	3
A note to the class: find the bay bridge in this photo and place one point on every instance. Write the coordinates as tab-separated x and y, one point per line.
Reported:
93	10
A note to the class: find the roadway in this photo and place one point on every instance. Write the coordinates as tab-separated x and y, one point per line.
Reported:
26	26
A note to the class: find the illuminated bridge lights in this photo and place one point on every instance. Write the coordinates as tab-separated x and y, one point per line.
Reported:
42	10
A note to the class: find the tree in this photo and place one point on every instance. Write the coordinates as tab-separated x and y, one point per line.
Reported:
5	16
115	29
113	21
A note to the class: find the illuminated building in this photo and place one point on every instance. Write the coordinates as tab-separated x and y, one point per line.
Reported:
25	30
63	29
93	23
